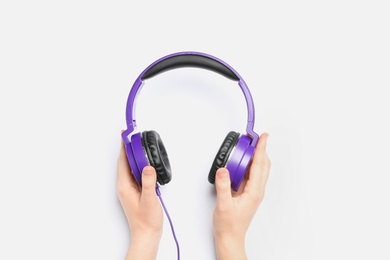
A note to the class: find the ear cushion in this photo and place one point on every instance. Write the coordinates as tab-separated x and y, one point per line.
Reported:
223	154
157	155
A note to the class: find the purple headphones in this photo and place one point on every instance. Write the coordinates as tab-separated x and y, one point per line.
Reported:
147	147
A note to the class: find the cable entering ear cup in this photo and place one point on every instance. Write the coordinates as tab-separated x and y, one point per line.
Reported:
223	154
157	156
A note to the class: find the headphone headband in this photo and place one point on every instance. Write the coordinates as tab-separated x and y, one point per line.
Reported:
189	59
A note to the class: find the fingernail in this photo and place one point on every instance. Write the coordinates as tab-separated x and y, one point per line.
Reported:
148	170
223	174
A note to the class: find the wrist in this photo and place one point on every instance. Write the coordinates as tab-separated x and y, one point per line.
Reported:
143	246
146	237
230	248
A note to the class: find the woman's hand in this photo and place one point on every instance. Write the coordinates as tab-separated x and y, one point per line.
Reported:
235	210
142	209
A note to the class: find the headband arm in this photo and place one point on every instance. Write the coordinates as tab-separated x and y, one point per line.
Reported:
251	112
130	109
188	59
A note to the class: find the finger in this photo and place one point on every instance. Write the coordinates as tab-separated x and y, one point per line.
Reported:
259	168
222	185
149	177
263	141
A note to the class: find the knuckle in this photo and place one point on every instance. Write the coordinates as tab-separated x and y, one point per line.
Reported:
122	189
268	161
222	208
257	197
223	187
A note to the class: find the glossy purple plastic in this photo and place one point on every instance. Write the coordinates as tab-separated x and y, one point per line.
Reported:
139	156
242	153
239	161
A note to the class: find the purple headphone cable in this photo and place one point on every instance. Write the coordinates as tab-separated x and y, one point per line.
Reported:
170	221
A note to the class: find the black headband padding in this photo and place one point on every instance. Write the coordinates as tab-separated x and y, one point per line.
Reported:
157	155
190	60
223	154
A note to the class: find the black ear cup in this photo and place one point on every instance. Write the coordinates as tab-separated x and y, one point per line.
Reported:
157	155
223	154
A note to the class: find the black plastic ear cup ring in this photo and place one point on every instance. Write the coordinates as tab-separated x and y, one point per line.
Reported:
223	154
157	155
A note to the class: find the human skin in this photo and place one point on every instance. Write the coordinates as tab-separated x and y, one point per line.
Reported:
232	215
234	210
142	209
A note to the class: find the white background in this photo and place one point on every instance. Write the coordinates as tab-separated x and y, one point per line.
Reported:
319	75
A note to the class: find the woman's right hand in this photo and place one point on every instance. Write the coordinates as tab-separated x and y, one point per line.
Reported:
234	210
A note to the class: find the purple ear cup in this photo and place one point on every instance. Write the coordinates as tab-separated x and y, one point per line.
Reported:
138	156
239	160
133	163
235	154
148	148
157	155
236	151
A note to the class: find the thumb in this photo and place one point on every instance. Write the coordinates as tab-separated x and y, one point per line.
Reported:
149	178
222	184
